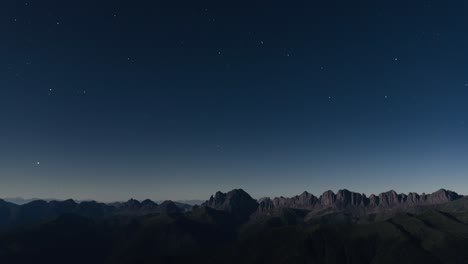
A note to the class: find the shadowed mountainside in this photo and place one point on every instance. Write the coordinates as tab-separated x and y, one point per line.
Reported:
12	215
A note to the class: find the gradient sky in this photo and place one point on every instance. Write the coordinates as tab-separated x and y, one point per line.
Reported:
178	99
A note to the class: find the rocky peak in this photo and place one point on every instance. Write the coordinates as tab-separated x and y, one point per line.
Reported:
307	198
218	200
389	199
442	196
415	198
237	202
327	199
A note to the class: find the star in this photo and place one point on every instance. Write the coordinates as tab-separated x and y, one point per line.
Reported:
38	163
395	59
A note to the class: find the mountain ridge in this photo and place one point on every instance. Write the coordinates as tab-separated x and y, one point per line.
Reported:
343	199
237	203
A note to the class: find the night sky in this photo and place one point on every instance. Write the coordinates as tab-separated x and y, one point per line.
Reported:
178	99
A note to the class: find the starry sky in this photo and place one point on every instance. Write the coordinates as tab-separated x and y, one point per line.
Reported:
178	99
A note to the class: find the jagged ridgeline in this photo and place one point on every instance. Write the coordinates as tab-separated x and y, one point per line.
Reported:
233	227
348	199
236	202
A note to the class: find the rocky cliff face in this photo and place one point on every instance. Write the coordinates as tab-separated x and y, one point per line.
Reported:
327	199
344	199
442	196
238	202
303	201
265	205
391	199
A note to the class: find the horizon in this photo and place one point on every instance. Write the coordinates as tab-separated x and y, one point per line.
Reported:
79	200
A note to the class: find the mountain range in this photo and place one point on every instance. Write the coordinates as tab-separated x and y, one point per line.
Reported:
236	202
21	200
233	227
347	199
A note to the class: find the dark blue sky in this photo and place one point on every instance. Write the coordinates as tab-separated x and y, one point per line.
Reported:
178	99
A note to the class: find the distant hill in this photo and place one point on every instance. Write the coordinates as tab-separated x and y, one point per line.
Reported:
21	201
